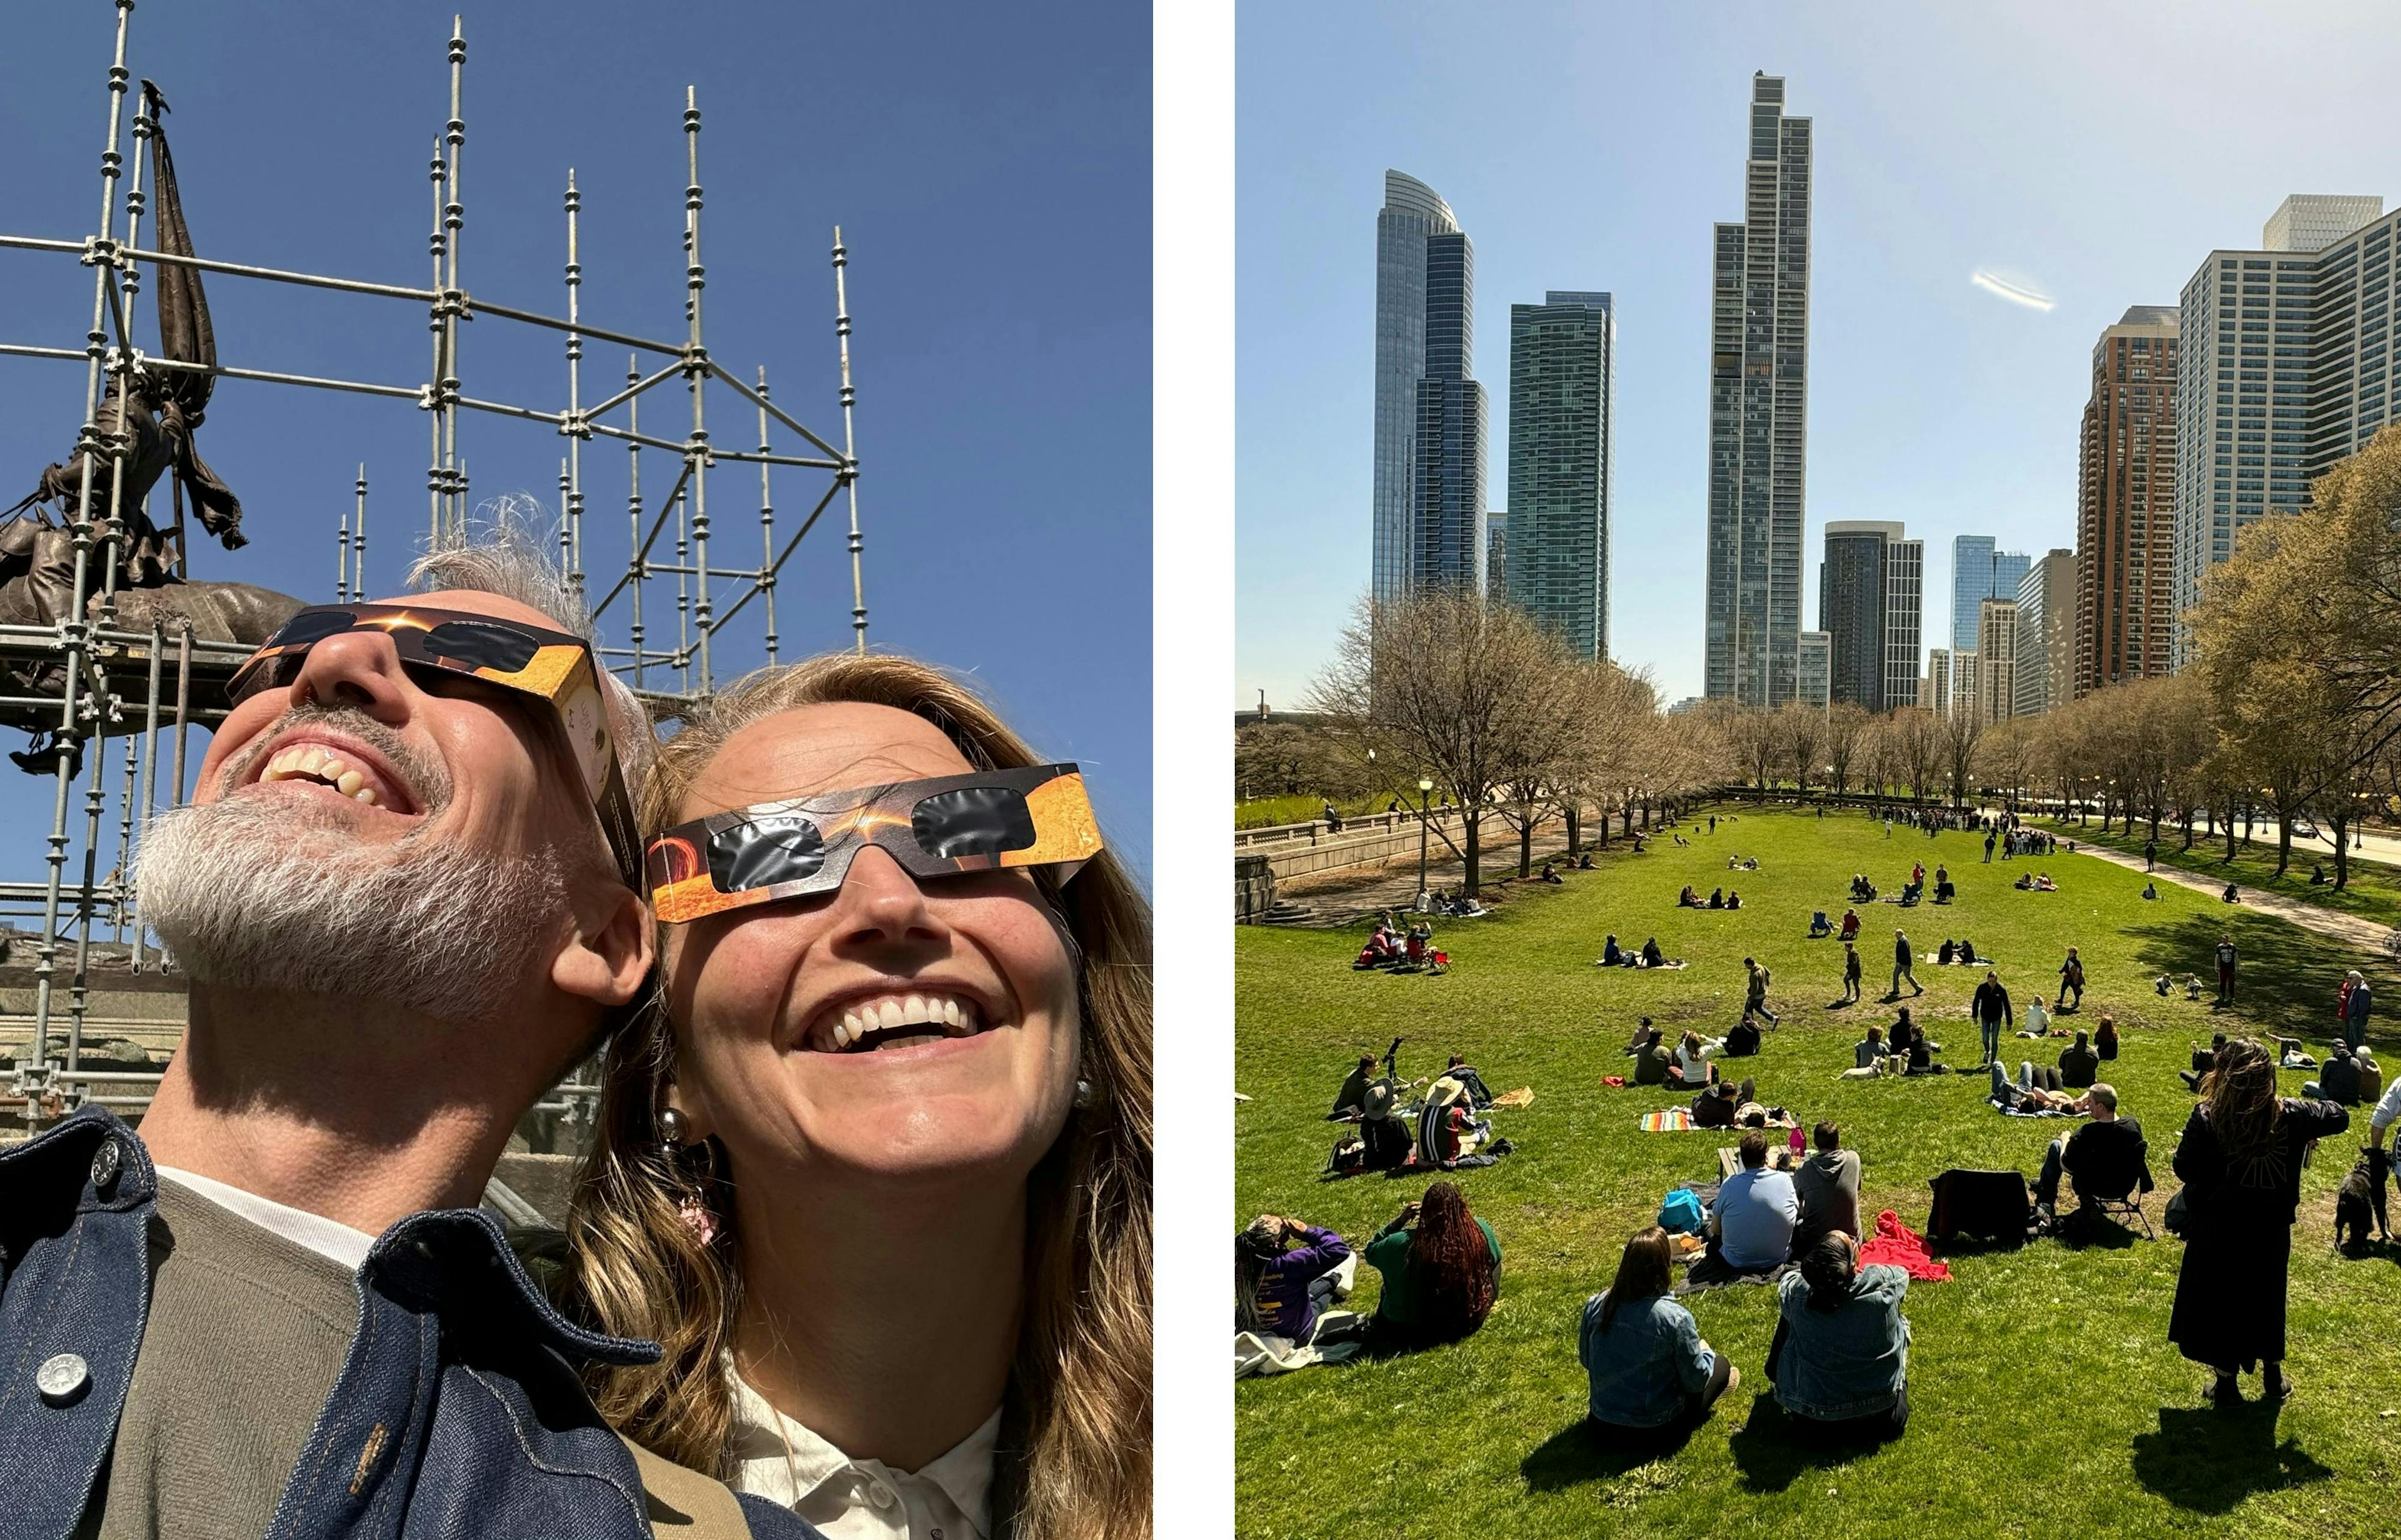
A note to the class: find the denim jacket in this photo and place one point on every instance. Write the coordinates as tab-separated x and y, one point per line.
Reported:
457	1412
1646	1364
1849	1361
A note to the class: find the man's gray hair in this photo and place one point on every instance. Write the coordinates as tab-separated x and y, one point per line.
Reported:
509	556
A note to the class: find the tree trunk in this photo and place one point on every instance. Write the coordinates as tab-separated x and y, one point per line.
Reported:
2230	831
1471	821
1575	847
1526	846
2341	851
2284	841
2186	816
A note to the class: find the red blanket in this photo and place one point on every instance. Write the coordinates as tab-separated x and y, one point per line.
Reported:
1893	1242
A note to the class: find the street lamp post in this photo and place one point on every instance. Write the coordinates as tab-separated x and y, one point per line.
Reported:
1425	794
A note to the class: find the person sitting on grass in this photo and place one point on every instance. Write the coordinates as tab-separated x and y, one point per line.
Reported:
1733	900
1717	897
1840	1357
1967	957
1647	1370
2025	883
1946	952
1743	1041
1479	1095
1441	1268
1827	1185
1351	1100
1652	955
1850	926
1750	1224
1641	1039
1907	1037
2078	1063
1691	1059
2151	891
1820	925
2338	1082
1613	955
1867	1054
2105	1039
1549	876
1583	862
1655	1063
1688	898
1284	1276
2204	1061
2107	1155
1718	1104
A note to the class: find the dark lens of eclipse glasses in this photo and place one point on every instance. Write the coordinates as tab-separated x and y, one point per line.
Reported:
980	821
312	625
481	646
762	852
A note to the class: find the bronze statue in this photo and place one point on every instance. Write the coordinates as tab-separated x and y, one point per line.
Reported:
153	412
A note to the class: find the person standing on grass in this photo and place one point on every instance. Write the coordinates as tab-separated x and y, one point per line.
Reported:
1900	968
2226	958
2150	854
1990	838
1755	999
1851	973
2355	1001
2071	982
1991	1009
2239	1161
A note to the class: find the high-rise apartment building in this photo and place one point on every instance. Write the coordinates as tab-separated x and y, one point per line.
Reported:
2126	500
1937	698
1967	683
1979	572
1996	659
1429	411
2047	621
1904	619
1759	377
1811	680
1851	610
1562	381
1496	550
2283	366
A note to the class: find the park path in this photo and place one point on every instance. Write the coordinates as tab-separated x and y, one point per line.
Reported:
2364	933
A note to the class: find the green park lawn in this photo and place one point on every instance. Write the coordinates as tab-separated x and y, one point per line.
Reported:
2045	1395
2373	891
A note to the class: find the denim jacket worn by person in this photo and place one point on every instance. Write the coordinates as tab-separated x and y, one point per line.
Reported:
1647	1365
457	1412
1846	1362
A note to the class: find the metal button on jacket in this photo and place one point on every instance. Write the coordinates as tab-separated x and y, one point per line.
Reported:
62	1379
105	1163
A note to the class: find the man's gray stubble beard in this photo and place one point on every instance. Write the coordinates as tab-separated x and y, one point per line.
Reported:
249	893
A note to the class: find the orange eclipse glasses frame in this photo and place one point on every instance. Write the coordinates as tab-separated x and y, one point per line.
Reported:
552	667
942	827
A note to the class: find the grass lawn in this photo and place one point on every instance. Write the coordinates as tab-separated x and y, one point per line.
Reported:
2045	1396
1267	812
2373	892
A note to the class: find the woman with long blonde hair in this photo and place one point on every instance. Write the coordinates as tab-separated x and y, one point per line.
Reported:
876	1172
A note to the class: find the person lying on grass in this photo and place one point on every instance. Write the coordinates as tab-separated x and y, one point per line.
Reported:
1840	1357
1647	1369
1723	1103
1284	1276
1441	1267
2036	1090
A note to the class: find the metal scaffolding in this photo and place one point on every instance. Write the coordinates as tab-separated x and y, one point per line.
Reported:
98	680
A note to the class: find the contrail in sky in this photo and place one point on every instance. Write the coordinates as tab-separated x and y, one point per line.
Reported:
2014	287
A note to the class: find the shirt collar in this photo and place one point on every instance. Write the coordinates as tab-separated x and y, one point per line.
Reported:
762	1433
327	1238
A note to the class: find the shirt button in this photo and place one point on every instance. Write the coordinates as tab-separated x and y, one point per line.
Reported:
877	1493
104	1163
62	1379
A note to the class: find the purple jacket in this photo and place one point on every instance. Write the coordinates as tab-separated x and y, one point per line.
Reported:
1284	1305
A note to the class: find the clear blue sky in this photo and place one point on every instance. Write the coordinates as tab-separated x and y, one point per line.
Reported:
2100	152
991	169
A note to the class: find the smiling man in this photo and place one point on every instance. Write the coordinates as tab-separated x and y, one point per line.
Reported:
404	893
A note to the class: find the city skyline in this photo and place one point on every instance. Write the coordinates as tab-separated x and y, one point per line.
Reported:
1896	242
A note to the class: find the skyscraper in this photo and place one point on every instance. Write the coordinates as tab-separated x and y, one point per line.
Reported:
1904	620
1811	682
1979	572
2047	609
2283	367
1759	376
1996	659
1424	315
1871	603
2125	505
1496	549
1562	379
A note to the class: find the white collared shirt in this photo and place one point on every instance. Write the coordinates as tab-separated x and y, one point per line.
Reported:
328	1238
783	1462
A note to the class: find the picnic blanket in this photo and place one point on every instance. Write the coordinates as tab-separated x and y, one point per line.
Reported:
1264	1352
2044	1112
1708	1272
1676	1120
1894	1242
1522	1096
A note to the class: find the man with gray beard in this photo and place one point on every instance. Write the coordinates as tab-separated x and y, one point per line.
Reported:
408	899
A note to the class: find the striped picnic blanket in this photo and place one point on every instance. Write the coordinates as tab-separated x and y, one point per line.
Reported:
1676	1120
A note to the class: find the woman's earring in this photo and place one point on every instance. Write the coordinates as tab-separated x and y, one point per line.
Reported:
675	1129
692	1200
1085	1096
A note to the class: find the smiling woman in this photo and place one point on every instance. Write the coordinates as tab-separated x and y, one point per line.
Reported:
877	1170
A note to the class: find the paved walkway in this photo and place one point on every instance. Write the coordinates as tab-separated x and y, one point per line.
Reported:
2364	933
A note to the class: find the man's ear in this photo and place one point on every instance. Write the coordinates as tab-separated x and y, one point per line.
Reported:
610	955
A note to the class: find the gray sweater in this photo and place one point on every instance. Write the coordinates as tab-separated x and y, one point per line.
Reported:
1827	1186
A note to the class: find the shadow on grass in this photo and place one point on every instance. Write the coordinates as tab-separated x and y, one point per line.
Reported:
2209	1461
1584	1451
1772	1450
2287	976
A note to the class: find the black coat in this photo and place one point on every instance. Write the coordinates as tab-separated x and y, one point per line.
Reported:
1992	1002
2230	1298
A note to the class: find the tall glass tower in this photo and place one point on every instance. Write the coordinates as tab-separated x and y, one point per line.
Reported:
1417	328
1759	379
1562	376
1979	572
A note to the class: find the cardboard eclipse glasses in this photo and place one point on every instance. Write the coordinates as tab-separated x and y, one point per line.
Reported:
550	665
804	845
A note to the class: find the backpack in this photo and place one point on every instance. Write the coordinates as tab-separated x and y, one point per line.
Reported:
1349	1156
1680	1212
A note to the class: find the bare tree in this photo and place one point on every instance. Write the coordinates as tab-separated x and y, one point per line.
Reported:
1917	746
1801	729
1847	731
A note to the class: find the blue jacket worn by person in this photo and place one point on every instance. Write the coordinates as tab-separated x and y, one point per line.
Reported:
457	1412
1646	1364
1848	1361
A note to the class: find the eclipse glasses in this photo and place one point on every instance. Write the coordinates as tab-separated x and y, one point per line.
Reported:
550	665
